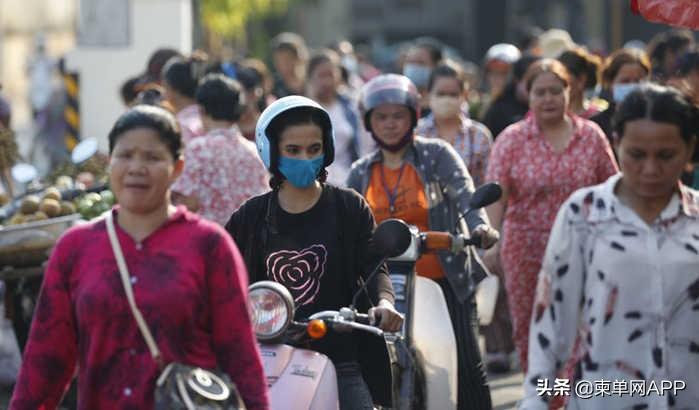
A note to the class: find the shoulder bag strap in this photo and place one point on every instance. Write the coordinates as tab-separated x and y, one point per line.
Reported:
124	272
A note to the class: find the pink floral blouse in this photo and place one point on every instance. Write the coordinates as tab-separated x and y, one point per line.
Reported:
222	169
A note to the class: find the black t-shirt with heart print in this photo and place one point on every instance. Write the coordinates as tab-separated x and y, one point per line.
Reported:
304	255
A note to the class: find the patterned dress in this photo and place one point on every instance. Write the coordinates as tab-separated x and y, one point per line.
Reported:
222	169
539	179
621	298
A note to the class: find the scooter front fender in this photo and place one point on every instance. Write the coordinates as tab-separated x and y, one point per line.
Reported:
299	379
433	338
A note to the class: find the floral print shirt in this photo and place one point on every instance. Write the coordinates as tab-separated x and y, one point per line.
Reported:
539	178
622	298
189	120
472	144
222	169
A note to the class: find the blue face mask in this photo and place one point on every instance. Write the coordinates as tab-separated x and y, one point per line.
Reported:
418	74
620	91
300	173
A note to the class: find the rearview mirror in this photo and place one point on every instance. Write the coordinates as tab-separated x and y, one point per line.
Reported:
485	195
391	238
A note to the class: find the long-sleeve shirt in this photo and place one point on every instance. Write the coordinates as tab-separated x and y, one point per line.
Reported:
448	189
472	143
222	169
190	284
320	255
622	298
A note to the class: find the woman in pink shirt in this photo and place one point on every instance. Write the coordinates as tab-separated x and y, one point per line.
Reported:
222	169
188	279
539	162
180	79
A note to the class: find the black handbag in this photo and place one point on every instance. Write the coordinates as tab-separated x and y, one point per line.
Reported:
186	387
179	386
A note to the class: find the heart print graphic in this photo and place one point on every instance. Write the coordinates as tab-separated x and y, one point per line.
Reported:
299	271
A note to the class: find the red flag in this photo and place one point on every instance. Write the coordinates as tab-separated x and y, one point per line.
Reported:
679	13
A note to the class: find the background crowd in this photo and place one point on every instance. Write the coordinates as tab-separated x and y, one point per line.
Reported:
492	113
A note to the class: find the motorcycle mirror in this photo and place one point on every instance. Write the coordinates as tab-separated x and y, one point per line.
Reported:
84	151
391	238
485	195
24	173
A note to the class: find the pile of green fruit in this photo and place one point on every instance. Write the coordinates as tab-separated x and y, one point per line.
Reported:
93	204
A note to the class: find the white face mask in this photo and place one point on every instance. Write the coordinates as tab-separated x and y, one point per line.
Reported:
445	106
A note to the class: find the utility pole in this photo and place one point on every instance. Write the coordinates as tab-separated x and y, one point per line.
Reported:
197	27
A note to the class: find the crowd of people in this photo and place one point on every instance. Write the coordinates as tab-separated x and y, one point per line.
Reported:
223	167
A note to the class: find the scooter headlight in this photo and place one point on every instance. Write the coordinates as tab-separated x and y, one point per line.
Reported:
271	309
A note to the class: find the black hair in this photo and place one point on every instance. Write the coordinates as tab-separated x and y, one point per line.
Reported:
321	57
433	47
248	77
528	36
660	104
688	63
447	69
221	97
620	58
672	41
580	62
129	91
153	118
157	61
183	75
291	117
520	67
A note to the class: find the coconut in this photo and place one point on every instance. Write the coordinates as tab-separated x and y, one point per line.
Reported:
30	204
50	207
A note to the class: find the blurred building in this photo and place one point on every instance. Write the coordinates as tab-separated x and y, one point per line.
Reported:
469	26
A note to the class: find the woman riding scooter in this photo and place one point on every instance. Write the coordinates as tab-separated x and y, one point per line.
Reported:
313	237
425	183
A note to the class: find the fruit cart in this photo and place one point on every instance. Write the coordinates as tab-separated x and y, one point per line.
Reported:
24	250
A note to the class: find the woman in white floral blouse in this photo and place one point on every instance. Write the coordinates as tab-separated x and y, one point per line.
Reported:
619	287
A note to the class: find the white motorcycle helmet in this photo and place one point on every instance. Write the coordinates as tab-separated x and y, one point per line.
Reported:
267	148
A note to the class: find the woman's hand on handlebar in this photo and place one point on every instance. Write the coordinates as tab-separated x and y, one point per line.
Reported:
487	234
386	317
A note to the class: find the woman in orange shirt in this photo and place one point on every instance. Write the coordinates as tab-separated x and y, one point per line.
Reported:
425	183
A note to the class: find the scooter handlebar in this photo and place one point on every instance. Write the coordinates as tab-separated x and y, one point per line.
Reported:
433	241
347	318
363	319
365	328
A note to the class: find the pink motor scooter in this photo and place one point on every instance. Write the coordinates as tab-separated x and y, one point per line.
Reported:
300	378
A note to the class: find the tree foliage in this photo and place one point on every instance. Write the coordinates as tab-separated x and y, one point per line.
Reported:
229	18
